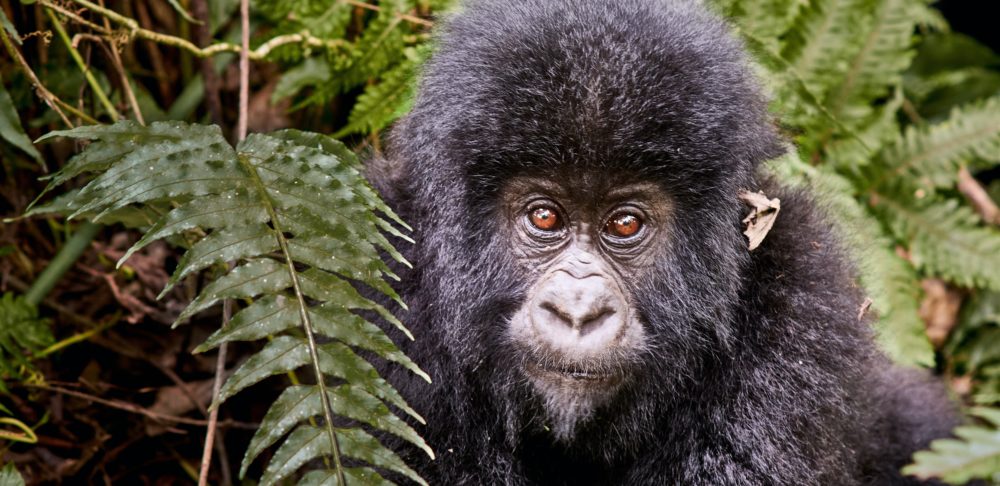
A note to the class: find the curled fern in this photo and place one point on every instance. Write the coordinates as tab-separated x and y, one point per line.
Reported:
303	228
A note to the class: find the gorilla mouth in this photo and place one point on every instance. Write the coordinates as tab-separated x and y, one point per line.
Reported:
571	394
575	375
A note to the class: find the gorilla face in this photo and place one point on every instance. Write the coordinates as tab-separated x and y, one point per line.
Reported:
579	240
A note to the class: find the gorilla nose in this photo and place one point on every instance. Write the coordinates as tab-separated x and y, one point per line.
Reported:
577	315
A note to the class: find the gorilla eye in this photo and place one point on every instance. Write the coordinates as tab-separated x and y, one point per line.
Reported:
545	219
623	225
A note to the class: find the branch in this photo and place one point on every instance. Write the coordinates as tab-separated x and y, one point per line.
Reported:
40	89
87	74
135	31
128	407
376	8
978	196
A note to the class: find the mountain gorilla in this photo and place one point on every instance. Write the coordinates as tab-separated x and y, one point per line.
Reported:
582	293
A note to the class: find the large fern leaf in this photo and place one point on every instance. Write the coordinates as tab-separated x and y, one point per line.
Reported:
304	230
822	40
945	239
384	102
766	20
932	154
879	59
975	453
10	477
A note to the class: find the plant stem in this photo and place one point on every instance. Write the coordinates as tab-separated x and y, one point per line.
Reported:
61	263
227	305
76	338
91	80
40	89
126	84
241	126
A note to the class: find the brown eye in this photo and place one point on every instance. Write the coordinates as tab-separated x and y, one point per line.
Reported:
623	225
545	219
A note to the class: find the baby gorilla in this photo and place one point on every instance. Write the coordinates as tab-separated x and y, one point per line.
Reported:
582	292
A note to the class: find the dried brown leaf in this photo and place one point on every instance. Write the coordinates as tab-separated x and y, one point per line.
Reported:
939	309
763	213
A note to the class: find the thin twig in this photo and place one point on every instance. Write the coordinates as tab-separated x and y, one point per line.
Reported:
76	18
203	37
978	196
109	48
376	8
43	92
258	54
227	305
241	130
129	407
116	60
87	74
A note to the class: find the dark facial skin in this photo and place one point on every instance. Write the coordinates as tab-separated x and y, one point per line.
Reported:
581	238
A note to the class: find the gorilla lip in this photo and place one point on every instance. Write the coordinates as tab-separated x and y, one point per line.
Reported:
562	373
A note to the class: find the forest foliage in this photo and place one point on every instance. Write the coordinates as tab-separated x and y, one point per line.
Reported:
893	122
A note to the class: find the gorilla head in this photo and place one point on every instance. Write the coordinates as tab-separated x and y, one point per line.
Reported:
582	291
587	158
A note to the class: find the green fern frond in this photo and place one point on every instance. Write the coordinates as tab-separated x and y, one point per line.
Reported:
302	228
378	49
823	38
889	280
390	98
380	45
933	153
767	20
21	331
975	453
878	63
945	239
326	19
873	133
10	477
314	71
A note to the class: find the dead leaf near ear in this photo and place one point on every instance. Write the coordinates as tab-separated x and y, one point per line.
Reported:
763	213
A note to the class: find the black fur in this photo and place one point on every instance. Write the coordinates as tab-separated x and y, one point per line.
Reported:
758	370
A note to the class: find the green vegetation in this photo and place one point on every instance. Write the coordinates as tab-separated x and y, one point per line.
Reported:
895	122
890	112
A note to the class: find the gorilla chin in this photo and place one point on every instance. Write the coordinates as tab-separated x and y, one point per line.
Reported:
571	396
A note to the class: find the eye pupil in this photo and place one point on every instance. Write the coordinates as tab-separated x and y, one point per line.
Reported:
544	219
623	225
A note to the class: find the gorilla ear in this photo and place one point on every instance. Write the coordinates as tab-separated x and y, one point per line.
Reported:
763	213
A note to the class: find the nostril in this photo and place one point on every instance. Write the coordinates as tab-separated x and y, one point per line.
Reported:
562	316
594	321
584	322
